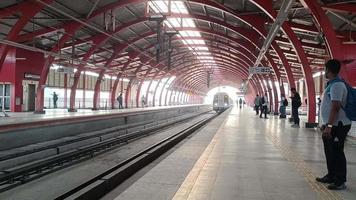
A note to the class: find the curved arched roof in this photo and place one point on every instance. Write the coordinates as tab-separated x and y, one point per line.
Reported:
221	36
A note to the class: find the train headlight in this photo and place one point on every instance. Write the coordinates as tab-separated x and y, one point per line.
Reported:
215	104
225	104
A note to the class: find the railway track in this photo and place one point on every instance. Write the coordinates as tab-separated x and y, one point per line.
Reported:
103	183
34	170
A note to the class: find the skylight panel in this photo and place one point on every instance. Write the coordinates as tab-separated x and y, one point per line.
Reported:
188	22
178	22
205	57
175	22
179	7
198	45
190	33
190	41
160	6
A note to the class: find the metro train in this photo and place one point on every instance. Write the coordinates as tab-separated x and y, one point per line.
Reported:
221	102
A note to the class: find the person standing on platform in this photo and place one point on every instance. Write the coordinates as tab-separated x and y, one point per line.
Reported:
240	102
282	107
264	105
257	104
296	103
335	126
55	99
119	100
143	101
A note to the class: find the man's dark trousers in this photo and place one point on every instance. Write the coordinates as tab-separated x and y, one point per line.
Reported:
295	115
263	110
334	153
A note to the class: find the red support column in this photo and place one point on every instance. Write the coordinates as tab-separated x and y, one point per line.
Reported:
333	44
147	92
111	85
275	95
138	94
84	88
154	93
170	98
127	94
113	91
74	90
65	89
321	88
163	88
41	86
97	90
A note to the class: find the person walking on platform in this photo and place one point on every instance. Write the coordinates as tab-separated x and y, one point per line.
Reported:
296	103
257	104
264	105
335	126
119	100
240	102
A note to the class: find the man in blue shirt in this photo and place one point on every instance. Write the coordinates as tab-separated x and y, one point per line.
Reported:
335	126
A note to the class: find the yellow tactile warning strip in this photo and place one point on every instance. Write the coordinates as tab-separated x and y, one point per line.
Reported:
187	186
185	189
304	169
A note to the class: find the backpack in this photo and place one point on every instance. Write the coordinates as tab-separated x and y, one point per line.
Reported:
350	107
262	100
285	102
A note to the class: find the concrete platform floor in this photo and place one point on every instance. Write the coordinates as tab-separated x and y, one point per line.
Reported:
245	158
53	114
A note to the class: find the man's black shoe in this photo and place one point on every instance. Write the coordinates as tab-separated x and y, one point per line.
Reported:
325	179
334	186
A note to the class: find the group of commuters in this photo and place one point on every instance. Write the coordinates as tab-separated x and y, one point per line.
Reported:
261	105
335	121
241	102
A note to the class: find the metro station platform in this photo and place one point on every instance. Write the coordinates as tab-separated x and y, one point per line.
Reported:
240	156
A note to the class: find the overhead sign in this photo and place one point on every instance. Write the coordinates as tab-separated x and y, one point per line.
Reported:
32	76
66	70
259	70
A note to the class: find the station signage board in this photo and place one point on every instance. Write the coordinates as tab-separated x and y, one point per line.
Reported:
66	70
259	70
32	76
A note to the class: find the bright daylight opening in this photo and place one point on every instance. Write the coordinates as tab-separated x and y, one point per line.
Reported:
234	93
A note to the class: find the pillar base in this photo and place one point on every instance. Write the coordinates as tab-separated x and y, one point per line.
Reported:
72	110
41	112
276	113
95	109
311	125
